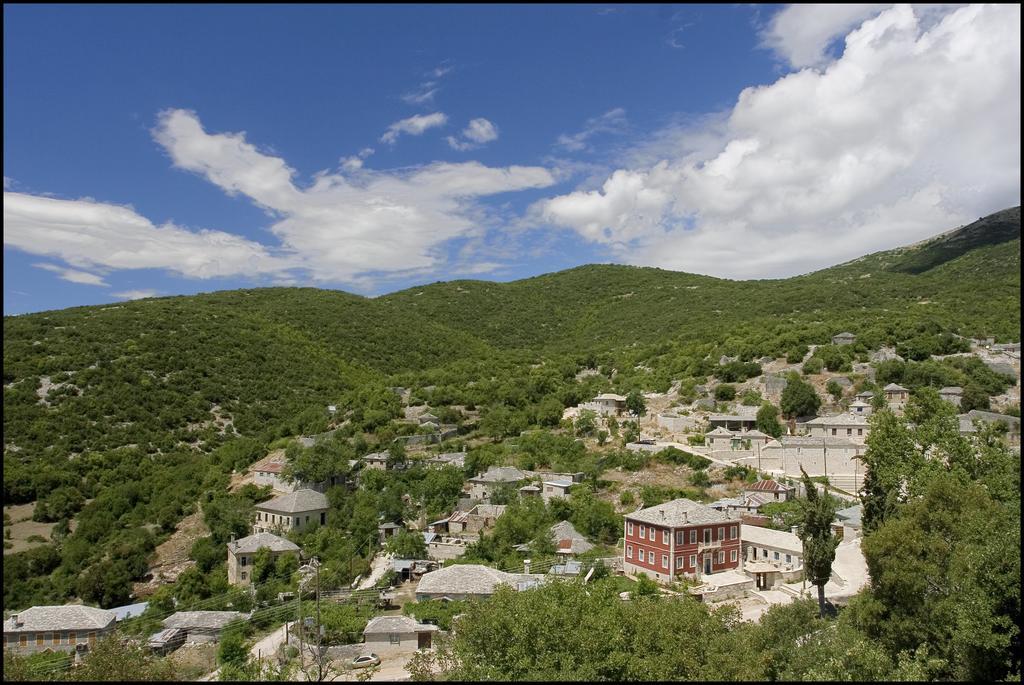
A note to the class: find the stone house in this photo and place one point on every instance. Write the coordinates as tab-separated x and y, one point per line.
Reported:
202	626
242	554
56	628
844	338
471	581
777	491
771	556
680	538
952	394
557	487
398	630
297	510
484	485
376	460
897	396
849	426
607	404
481	517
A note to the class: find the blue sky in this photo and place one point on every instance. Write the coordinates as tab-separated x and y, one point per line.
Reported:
154	150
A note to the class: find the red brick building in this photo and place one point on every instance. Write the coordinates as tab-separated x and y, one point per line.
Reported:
681	538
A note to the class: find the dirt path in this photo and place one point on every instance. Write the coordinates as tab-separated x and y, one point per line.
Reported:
381	564
170	559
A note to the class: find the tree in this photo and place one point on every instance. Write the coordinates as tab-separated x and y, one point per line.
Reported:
725	392
407	545
586	423
768	421
833	388
232	648
114	660
815	529
974	398
799	398
635	404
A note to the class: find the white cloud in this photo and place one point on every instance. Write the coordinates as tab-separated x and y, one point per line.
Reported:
89	234
800	34
136	294
612	121
422	95
351	226
913	130
479	132
73	275
413	126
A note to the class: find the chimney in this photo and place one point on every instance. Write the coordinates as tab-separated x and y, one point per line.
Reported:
17	623
526	565
795	530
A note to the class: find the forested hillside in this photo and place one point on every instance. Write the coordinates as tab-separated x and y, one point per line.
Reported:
119	417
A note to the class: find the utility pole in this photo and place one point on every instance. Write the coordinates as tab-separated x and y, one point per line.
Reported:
298	613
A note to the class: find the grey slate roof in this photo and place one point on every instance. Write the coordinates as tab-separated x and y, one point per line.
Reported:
67	617
376	456
296	502
679	512
500	474
563	530
202	620
988	416
470	579
851	515
895	387
720	431
810	441
952	390
254	543
768	537
396	624
846	419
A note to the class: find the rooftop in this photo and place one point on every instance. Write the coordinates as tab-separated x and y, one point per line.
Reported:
272	463
770	537
611	397
210	620
895	387
67	617
396	624
295	502
768	485
679	512
254	543
952	390
846	419
472	579
851	515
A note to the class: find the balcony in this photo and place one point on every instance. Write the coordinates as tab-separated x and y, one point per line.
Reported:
714	544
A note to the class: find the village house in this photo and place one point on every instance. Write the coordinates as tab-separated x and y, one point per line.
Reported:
847	525
269	470
57	628
843	338
860	408
298	510
1012	423
480	517
242	554
745	419
568	541
470	581
776	491
556	487
771	556
398	630
376	460
529	491
607	404
202	626
952	394
680	538
484	485
897	396
852	427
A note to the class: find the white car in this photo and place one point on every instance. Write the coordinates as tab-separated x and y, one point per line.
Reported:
364	660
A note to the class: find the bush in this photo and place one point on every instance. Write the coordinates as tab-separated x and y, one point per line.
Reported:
812	366
725	392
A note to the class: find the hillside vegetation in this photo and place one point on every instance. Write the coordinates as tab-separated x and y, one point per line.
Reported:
120	417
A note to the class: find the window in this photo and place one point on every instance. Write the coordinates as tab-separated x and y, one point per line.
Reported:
650	557
849	431
323	517
72	638
732	531
629	527
643	531
764	554
679	537
679	563
651	531
732	556
664	537
297	520
244	560
664	561
23	641
48	638
629	551
693	560
707	535
721	557
243	575
693	537
721	533
776	557
394	638
307	519
833	431
789	558
860	431
39	639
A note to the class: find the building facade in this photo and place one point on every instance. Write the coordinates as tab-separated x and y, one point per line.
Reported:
56	628
298	510
242	554
680	538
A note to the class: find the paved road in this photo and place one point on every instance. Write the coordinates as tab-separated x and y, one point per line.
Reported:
265	649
